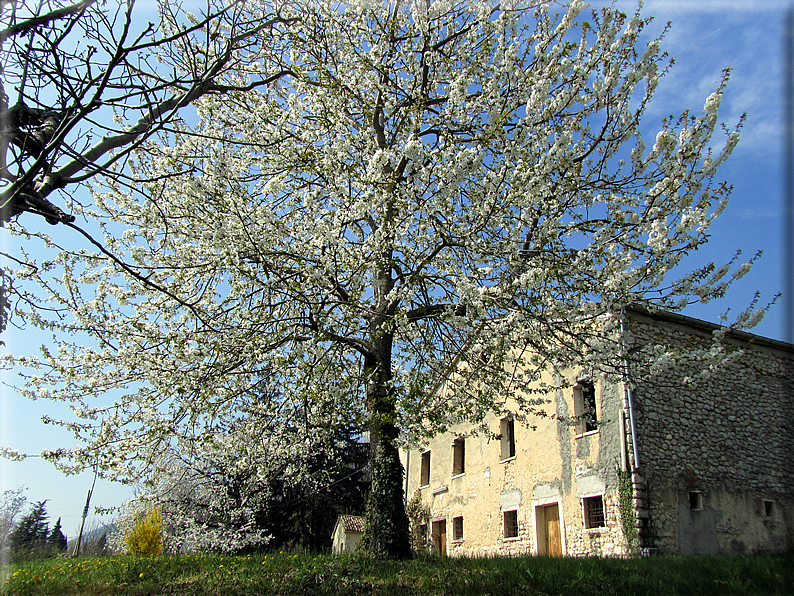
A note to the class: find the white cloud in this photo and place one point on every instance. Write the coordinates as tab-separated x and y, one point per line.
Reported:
704	38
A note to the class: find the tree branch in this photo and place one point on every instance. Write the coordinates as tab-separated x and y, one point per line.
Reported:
145	281
433	310
34	22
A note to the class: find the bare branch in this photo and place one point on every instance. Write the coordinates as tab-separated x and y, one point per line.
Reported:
32	23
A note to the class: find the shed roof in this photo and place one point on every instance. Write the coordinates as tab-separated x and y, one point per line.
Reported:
352	523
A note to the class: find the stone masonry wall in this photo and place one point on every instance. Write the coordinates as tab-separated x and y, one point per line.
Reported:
604	541
716	453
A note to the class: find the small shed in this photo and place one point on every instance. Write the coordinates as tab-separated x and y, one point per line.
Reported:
347	532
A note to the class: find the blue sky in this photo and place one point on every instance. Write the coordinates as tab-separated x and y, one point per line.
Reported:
705	37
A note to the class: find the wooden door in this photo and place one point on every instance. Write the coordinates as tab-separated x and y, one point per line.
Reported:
551	514
440	537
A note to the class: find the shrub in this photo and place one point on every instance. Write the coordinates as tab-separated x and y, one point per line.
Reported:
145	537
419	516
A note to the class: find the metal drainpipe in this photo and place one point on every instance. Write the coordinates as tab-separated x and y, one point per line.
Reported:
630	401
407	467
624	453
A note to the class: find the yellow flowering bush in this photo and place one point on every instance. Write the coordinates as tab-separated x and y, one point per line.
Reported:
145	537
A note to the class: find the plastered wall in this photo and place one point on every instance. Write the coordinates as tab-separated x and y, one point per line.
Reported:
552	465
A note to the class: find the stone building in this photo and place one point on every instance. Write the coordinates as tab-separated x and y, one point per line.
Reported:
678	460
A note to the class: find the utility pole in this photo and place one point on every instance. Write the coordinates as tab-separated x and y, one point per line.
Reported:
85	514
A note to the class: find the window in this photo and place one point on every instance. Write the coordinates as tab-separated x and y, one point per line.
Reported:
424	479
457	528
584	404
593	512
422	534
769	508
458	456
695	500
508	438
511	524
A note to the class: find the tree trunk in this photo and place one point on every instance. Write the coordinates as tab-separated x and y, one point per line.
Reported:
388	522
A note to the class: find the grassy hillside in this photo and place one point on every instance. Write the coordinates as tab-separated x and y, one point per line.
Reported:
206	575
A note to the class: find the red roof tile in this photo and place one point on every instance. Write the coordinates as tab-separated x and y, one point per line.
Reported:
352	523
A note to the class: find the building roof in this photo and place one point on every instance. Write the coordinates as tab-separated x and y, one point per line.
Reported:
352	523
735	334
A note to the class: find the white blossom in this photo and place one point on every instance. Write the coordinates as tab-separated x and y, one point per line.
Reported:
743	269
12	454
712	103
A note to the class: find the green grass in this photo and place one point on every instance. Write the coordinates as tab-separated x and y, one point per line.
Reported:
305	574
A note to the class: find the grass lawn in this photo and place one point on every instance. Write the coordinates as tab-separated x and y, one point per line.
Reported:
325	574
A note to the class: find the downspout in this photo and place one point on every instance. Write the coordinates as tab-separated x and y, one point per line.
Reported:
407	465
630	402
624	453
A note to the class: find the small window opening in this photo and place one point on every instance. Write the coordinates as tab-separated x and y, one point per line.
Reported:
594	512
424	479
458	456
508	447
769	508
511	524
585	407
695	500
457	528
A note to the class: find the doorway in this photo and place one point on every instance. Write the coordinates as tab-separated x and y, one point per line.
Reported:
439	536
549	534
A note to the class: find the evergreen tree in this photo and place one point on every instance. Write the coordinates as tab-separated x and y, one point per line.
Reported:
304	513
56	542
238	501
29	538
